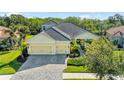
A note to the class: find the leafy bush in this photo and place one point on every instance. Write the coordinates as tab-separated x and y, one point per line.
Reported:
74	53
89	41
76	69
76	61
74	49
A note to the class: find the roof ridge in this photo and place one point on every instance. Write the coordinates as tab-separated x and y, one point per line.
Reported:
67	23
61	32
117	32
47	35
52	21
39	36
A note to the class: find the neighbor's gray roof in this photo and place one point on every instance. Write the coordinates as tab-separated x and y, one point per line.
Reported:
70	29
51	23
87	35
56	35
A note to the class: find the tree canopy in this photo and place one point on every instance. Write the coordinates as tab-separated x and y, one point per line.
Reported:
102	60
34	24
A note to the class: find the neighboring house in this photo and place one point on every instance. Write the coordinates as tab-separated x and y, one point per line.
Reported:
8	39
17	34
116	35
4	33
7	32
55	38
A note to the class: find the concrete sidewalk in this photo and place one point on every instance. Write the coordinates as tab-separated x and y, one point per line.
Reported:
5	77
78	75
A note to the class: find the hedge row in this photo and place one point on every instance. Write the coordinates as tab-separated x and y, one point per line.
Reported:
80	61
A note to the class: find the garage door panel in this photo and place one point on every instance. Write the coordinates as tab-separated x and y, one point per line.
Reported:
41	49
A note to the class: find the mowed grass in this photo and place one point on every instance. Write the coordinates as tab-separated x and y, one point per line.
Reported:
9	57
76	69
8	62
7	70
10	68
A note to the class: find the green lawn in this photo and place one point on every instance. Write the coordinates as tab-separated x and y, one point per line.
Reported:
6	58
8	62
76	69
81	79
7	70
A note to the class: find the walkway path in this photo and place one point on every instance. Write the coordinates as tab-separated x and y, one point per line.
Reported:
5	77
78	75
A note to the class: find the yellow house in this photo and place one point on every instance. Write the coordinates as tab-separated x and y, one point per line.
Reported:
45	44
55	38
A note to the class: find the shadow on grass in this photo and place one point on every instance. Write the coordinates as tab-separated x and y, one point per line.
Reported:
12	65
4	52
15	64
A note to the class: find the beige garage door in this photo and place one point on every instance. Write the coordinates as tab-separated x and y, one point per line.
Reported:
41	49
63	49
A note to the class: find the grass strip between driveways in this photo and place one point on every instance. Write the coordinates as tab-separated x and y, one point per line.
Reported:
76	69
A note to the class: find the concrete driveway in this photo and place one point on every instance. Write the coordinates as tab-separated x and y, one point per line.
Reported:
41	67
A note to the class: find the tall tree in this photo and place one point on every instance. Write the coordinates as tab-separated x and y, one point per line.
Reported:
74	20
99	56
92	25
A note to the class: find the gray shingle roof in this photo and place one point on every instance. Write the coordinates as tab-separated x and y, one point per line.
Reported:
51	23
41	37
56	35
70	29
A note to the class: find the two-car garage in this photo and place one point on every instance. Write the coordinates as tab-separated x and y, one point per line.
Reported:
44	44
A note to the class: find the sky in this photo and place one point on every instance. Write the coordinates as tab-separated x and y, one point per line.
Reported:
99	15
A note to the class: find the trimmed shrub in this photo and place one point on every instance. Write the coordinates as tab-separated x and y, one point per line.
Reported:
74	54
80	61
77	69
